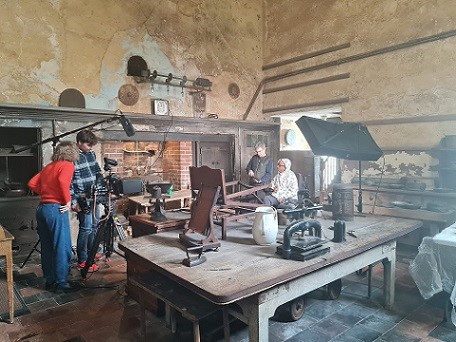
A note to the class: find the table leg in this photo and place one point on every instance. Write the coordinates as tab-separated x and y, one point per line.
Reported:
196	332
226	325
142	321
256	315
9	277
389	276
259	323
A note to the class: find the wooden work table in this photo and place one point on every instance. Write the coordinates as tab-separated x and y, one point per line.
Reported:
259	280
6	250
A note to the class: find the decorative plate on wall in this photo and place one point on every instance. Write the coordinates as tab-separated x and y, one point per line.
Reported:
128	94
233	90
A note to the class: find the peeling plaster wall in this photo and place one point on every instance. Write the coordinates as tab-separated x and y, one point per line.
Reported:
414	82
49	46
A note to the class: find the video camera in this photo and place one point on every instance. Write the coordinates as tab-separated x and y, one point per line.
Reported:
110	184
113	184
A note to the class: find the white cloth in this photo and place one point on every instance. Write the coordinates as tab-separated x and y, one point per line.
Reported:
434	267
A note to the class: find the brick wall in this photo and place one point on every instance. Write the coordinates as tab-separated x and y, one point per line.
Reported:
151	161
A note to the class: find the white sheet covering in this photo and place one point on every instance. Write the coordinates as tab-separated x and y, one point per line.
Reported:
434	267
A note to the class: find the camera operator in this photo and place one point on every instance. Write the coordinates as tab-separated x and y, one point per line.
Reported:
86	172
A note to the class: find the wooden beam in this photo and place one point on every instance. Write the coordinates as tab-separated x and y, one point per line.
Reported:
408	44
308	83
413	119
306	105
306	56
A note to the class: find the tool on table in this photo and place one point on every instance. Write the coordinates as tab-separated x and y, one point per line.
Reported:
304	248
352	233
194	261
339	231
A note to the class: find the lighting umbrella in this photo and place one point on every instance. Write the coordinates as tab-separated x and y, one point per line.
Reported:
345	140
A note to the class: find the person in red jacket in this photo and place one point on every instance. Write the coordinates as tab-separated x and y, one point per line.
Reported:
52	215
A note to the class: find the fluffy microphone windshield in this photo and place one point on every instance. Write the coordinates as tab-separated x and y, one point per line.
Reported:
127	126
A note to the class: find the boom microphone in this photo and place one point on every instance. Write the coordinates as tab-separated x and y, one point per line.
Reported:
127	126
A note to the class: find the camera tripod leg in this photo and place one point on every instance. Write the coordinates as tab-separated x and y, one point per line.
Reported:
93	251
106	234
34	248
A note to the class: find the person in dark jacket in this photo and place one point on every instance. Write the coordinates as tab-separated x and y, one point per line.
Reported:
259	167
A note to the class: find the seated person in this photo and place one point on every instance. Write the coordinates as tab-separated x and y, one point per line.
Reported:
284	186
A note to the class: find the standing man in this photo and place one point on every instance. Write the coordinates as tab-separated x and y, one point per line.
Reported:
259	167
86	172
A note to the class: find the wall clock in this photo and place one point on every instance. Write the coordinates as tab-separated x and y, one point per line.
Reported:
290	137
160	107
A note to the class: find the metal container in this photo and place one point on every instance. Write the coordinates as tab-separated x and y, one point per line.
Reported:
342	202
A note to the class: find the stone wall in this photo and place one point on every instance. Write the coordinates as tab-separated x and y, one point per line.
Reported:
406	96
50	46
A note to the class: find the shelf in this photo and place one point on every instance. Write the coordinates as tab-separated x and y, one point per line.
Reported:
426	193
418	214
447	169
445	149
15	155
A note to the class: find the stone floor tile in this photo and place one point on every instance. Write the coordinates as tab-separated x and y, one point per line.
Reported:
444	333
309	335
330	327
363	333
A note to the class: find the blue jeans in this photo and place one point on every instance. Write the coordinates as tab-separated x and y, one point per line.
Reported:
54	231
86	235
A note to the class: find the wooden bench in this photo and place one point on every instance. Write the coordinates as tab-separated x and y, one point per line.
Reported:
176	298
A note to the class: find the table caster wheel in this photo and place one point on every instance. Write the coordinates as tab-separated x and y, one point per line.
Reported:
333	289
291	311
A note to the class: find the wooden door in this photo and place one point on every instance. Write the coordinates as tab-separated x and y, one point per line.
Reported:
217	155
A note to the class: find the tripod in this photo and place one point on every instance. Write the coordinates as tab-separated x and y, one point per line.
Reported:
107	229
34	248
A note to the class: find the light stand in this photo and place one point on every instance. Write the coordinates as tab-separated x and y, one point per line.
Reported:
360	191
34	248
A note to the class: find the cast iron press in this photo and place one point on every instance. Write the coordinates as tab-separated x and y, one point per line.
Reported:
306	247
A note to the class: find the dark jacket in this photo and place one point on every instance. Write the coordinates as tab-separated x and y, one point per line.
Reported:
262	168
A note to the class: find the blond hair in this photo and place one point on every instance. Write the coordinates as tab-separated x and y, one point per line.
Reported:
66	150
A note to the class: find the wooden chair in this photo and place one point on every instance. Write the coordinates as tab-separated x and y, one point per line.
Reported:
229	206
199	232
